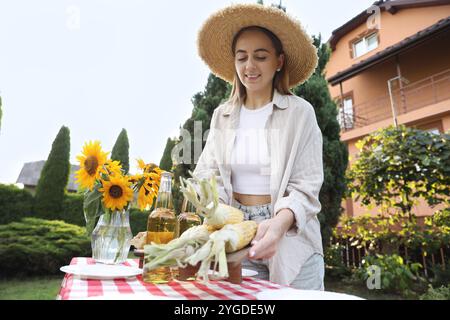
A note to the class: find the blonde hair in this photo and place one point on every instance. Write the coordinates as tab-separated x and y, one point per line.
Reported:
280	80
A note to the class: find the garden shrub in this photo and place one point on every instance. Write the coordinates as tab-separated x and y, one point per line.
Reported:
72	211
395	274
334	265
35	246
441	276
138	220
15	203
441	293
441	218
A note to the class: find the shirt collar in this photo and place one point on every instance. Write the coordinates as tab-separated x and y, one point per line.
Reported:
279	101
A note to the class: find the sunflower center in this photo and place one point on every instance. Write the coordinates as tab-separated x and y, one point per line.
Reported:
91	164
115	192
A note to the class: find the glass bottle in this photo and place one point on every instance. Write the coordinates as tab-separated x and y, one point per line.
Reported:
188	217
161	227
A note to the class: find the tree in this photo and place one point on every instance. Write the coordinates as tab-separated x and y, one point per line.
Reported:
120	151
398	166
216	91
166	160
335	152
54	177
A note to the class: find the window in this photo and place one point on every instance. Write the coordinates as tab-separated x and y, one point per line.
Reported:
434	131
365	44
345	116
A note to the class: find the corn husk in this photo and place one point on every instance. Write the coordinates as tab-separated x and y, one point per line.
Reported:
177	250
227	239
203	194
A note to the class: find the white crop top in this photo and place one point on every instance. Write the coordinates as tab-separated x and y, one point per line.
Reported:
250	160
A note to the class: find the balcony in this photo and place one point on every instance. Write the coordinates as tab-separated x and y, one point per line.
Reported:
407	98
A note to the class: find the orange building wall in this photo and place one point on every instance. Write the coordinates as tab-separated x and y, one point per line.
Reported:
416	64
394	28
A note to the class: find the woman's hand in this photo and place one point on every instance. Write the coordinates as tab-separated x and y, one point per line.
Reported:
269	233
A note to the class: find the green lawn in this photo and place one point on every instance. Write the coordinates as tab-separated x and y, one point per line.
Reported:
358	290
36	288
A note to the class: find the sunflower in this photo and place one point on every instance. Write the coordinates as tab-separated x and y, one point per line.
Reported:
148	189
112	167
145	199
148	168
91	161
117	192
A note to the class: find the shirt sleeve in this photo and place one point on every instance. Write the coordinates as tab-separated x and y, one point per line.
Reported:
208	163
305	182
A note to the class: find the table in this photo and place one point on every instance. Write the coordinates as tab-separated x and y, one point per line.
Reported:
74	288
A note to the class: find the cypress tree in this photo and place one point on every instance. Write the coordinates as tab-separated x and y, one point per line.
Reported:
54	178
120	151
166	160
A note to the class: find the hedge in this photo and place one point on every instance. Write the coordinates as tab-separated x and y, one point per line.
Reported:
73	210
138	220
39	247
15	203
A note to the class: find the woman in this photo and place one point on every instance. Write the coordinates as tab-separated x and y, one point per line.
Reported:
264	145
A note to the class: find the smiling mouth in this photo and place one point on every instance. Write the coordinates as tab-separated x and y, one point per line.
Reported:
252	77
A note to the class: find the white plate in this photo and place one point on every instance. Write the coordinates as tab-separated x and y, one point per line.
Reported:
249	273
101	271
295	294
245	272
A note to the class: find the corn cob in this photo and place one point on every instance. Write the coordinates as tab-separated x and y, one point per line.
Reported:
175	251
230	238
246	231
207	202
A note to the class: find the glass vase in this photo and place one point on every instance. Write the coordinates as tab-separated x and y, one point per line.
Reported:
111	238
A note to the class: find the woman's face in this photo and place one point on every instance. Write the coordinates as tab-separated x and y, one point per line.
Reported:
256	61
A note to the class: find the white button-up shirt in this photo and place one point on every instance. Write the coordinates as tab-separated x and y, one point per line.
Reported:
296	174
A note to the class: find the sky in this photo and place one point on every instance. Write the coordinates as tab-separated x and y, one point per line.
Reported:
97	66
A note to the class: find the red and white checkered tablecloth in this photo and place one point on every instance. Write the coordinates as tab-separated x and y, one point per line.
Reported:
74	288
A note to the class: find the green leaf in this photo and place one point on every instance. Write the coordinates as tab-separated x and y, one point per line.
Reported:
92	208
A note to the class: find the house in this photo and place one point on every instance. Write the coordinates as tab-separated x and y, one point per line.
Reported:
31	171
391	64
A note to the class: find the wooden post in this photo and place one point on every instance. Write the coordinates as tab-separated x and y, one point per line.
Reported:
346	253
424	265
353	256
432	260
360	257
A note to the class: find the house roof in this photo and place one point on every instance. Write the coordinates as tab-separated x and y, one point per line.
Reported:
391	6
31	171
440	27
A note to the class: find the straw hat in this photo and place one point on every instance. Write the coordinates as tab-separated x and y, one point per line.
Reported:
216	36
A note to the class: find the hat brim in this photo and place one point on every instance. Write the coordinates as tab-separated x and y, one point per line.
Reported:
217	32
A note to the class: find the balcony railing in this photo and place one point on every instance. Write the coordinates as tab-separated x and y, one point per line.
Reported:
408	98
